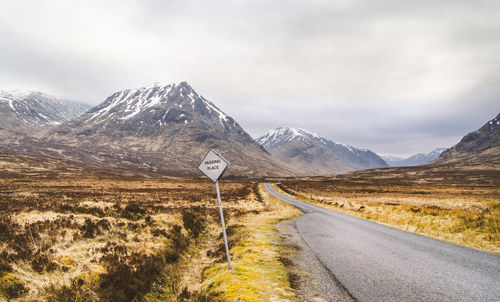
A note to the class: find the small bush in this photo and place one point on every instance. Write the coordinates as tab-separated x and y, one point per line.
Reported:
179	241
133	212
77	291
414	209
185	295
8	229
11	287
256	190
194	224
130	278
5	266
286	261
159	232
149	220
90	229
294	280
42	262
179	244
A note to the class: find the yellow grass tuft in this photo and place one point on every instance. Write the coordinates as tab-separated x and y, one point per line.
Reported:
257	273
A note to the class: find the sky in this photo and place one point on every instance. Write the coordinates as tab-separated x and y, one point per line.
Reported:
397	77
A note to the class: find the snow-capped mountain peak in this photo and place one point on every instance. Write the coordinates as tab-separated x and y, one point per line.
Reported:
282	135
131	101
173	101
165	129
26	111
317	154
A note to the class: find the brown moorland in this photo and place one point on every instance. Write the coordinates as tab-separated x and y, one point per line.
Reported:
459	204
73	233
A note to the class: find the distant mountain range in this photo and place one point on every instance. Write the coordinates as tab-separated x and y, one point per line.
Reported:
317	155
414	160
168	129
28	111
164	129
480	148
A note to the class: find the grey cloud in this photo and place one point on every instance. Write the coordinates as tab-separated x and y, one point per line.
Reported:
395	76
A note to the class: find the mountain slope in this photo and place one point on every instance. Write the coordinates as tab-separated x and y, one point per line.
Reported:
21	144
478	148
414	160
316	155
28	111
166	129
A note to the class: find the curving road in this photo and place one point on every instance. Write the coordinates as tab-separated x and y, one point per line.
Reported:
378	263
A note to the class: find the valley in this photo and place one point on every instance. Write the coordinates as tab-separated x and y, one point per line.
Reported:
69	237
77	233
108	205
249	151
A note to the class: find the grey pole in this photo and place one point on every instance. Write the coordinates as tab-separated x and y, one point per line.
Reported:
223	225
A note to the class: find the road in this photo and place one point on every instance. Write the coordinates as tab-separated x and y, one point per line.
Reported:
378	263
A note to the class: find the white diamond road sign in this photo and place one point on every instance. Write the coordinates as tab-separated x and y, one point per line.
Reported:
213	165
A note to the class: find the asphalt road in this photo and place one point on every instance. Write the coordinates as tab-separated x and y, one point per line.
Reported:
378	263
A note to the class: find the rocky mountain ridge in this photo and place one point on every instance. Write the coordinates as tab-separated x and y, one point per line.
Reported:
28	111
317	155
165	129
477	148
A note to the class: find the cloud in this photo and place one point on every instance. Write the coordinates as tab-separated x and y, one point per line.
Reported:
398	77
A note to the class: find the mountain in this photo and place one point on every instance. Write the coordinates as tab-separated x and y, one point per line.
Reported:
478	148
316	155
164	129
21	144
414	160
27	111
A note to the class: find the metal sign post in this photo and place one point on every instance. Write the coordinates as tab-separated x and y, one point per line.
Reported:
213	165
223	225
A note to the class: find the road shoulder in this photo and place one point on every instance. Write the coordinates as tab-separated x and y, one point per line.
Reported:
308	276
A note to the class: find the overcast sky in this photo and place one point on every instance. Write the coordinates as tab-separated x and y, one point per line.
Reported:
397	77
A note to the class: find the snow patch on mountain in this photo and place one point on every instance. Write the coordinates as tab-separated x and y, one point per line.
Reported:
133	101
213	108
282	135
164	128
286	134
24	111
128	104
316	155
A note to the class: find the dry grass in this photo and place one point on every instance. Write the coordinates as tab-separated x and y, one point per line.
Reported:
138	239
257	274
112	238
460	207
